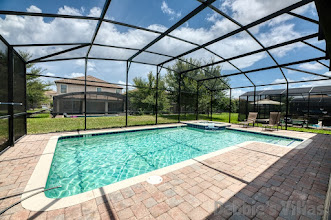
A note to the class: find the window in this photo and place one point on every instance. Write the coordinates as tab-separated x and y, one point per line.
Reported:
63	88
118	91
98	89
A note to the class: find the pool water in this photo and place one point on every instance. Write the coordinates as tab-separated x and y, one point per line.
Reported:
82	164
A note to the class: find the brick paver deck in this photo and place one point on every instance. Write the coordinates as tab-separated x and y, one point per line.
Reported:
259	181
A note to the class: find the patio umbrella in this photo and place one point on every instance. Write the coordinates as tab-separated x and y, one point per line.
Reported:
266	102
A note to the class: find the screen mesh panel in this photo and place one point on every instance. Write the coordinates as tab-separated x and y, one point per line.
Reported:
304	104
4	78
4	126
12	96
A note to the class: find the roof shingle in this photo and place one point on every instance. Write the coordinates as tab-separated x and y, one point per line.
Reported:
90	81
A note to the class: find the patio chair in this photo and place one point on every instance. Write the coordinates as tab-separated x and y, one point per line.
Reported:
250	119
273	121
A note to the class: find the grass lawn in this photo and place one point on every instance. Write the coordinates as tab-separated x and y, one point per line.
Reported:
34	110
318	131
41	115
311	130
43	123
3	131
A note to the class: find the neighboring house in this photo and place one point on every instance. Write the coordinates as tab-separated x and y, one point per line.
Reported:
49	94
101	97
93	84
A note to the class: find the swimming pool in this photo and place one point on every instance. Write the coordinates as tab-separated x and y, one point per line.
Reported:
84	163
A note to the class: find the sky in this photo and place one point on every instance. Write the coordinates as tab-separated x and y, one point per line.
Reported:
160	15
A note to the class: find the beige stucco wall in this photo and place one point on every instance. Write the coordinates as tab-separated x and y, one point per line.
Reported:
80	88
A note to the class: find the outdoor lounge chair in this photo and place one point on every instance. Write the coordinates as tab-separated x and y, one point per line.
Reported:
250	119
273	121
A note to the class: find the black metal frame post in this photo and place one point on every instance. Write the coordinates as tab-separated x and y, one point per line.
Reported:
158	69
259	106
85	101
254	98
128	64
197	102
230	108
25	102
280	103
211	105
308	110
246	112
11	95
179	92
239	109
287	102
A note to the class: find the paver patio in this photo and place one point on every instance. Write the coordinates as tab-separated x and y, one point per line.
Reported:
259	181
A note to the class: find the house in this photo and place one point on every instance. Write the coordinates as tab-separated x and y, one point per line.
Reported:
48	103
94	84
102	97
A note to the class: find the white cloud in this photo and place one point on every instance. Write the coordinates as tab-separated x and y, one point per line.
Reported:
278	81
308	7
280	34
317	83
267	88
169	11
323	82
213	17
95	12
66	10
282	80
25	29
311	66
80	62
235	93
73	75
33	8
121	82
246	11
50	74
91	67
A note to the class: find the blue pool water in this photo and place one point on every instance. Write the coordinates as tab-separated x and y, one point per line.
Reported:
85	163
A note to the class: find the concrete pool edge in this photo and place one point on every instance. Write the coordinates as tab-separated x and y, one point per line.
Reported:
39	176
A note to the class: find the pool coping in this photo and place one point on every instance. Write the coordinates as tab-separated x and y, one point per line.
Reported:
38	179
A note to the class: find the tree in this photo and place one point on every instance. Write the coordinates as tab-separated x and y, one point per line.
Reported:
189	85
142	99
234	104
35	87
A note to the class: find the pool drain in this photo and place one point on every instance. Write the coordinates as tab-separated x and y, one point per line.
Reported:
154	179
